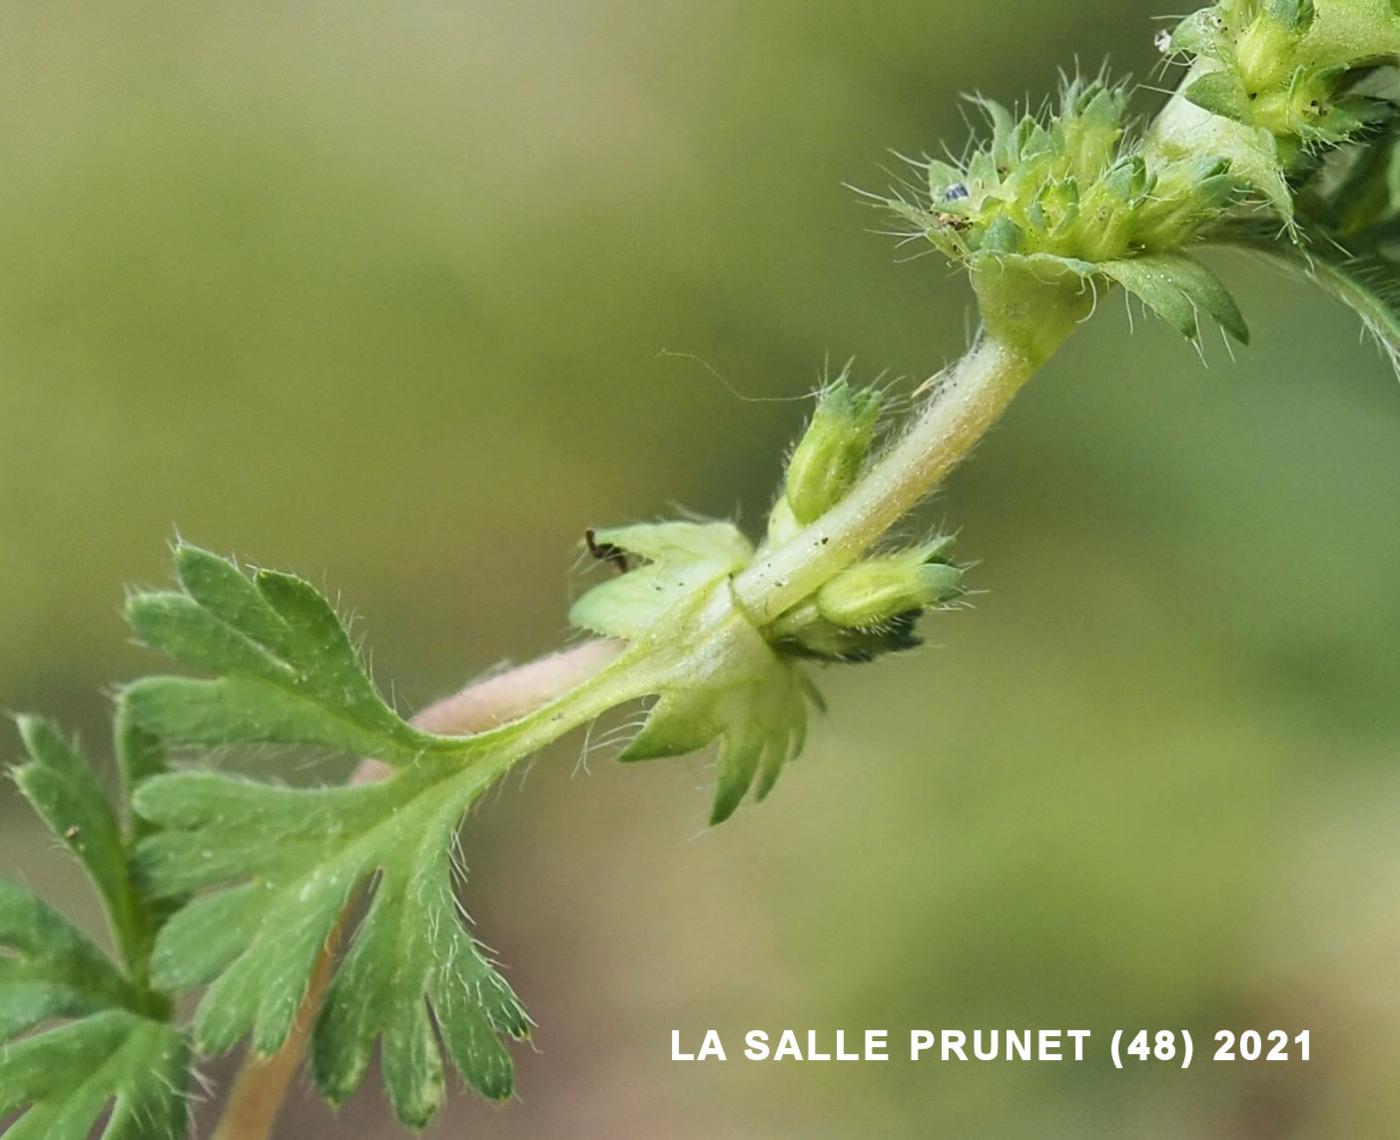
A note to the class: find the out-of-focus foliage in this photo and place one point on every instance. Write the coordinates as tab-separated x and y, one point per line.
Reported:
378	293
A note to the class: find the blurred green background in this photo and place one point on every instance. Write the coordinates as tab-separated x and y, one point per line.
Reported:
379	292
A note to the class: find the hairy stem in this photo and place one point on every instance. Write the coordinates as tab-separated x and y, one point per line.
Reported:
261	1084
965	404
507	696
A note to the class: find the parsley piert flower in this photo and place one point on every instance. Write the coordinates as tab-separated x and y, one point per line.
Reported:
1048	213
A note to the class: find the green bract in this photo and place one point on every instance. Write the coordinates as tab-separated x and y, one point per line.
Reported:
1304	96
872	607
1349	216
1070	187
714	674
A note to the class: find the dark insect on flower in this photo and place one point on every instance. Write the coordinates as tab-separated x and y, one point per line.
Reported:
606	551
955	192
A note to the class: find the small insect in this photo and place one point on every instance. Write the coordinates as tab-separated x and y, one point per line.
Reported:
71	833
952	221
1163	41
606	551
956	192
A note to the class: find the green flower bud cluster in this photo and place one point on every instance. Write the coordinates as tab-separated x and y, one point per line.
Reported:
870	608
746	686
1075	187
1050	214
1297	69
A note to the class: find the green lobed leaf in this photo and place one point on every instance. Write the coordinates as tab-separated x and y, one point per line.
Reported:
63	1078
287	671
51	968
270	872
280	866
64	791
140	755
414	933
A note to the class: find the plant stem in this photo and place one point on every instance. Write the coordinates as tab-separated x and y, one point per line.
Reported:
489	703
965	404
262	1082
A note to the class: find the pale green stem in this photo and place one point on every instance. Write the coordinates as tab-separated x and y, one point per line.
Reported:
966	402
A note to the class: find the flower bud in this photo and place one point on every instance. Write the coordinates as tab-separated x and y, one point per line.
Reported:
1188	194
826	461
1075	187
1265	48
876	591
1127	179
870	608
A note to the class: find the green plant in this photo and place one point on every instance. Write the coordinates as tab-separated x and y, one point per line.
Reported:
1280	140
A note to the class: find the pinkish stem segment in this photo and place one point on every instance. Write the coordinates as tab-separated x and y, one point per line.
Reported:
261	1085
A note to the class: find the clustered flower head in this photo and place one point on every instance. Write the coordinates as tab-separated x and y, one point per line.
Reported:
1048	214
1053	209
1296	69
1076	187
